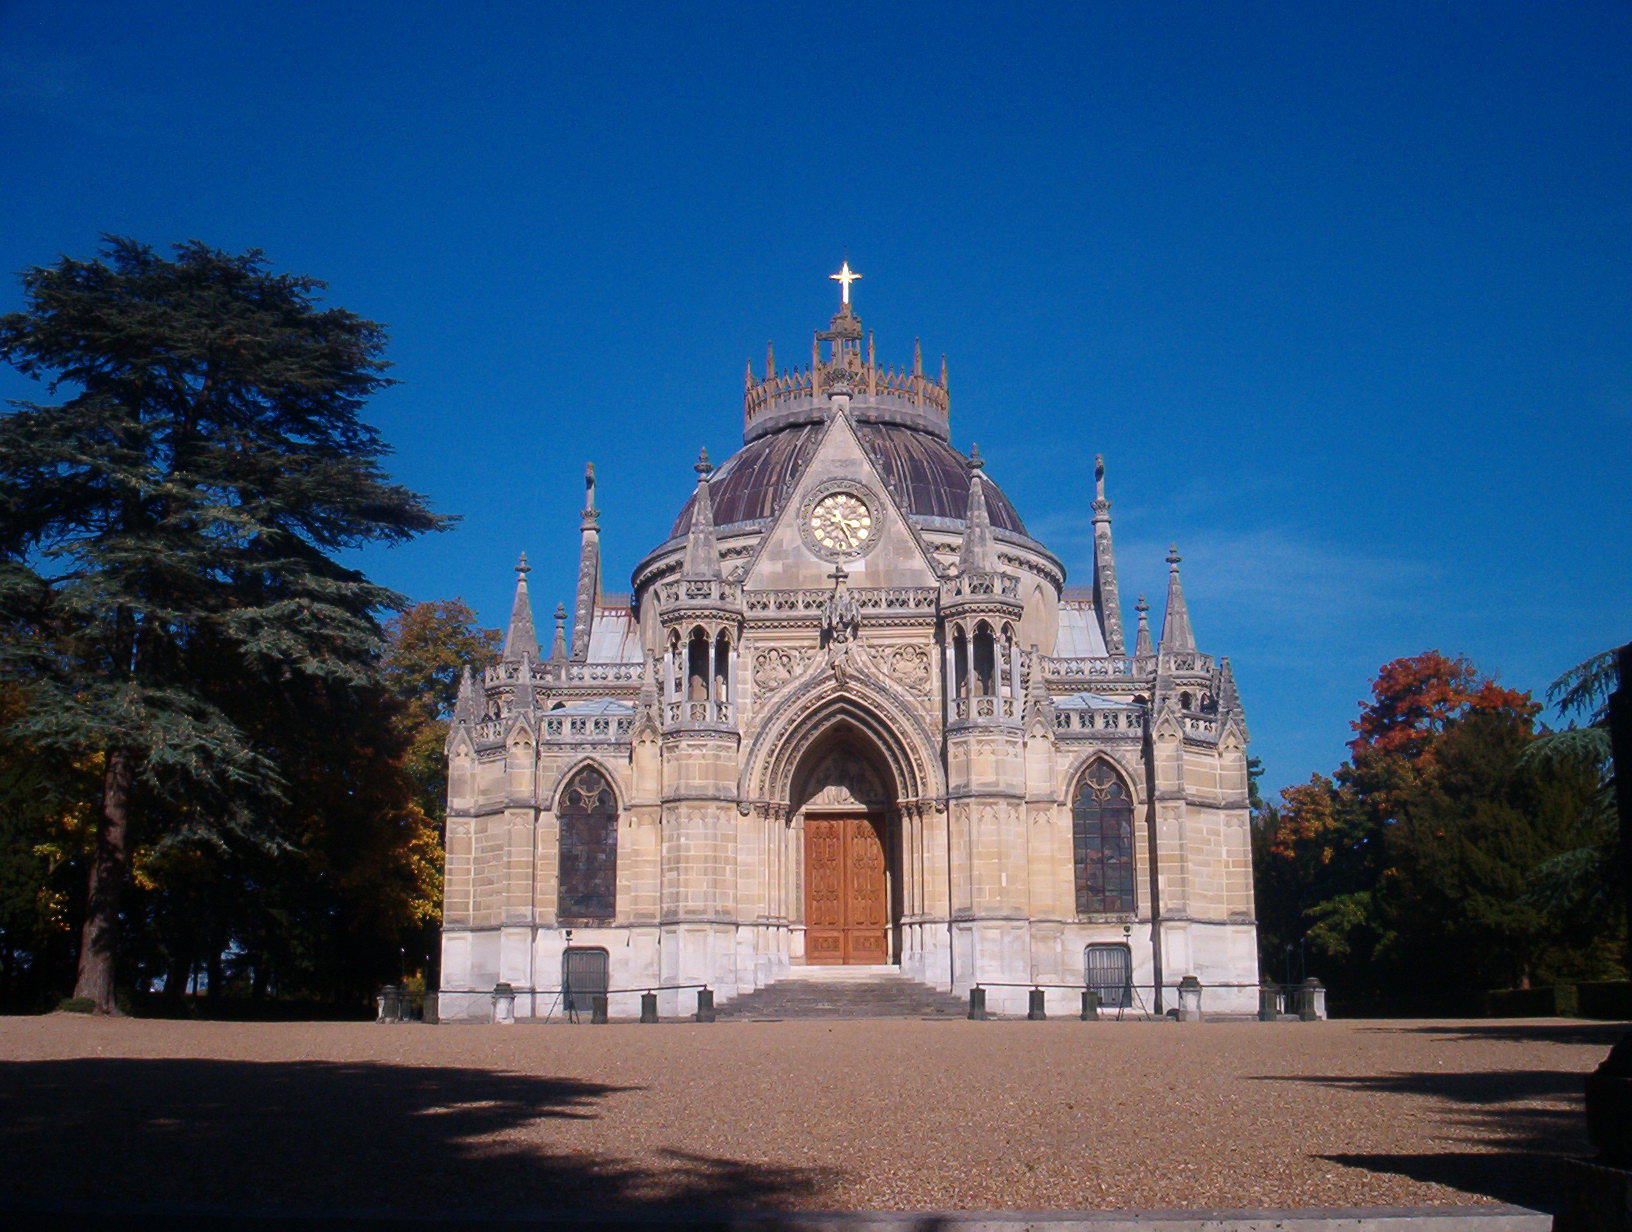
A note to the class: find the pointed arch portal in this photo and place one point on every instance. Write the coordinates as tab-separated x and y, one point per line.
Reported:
845	798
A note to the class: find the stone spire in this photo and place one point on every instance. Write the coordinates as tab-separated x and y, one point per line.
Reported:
1106	600
1176	633
702	552
1141	638
521	640
977	555
467	707
1039	702
523	699
1229	698
589	569
558	649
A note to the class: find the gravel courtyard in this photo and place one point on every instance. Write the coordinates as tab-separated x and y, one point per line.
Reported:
829	1115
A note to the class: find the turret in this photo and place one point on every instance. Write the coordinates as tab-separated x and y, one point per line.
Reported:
589	569
1176	634
1142	649
1106	601
978	554
702	551
520	639
467	707
558	648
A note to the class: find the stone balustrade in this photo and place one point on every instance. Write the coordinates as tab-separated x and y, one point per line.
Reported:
868	599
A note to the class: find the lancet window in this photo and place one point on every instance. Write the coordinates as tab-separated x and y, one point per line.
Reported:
588	817
1102	842
985	661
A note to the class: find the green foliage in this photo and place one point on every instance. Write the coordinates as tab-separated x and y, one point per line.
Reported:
1582	885
167	541
1421	868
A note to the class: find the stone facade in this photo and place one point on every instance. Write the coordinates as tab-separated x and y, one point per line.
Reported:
850	713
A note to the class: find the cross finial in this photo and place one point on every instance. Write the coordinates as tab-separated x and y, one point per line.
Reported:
844	278
838	575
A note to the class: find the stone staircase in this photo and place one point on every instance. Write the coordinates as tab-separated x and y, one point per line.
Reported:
843	992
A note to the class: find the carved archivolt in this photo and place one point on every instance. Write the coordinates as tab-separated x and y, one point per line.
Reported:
820	707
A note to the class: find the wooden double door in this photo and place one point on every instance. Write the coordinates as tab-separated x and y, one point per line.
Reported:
847	889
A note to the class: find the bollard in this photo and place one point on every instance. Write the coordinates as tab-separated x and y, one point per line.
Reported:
977	1005
1311	1001
1267	997
1090	1005
705	1005
597	1007
430	1013
648	1007
504	1005
386	1001
1189	999
1035	1010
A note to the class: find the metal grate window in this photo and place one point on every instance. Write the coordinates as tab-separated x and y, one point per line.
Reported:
1102	842
1108	970
588	814
583	976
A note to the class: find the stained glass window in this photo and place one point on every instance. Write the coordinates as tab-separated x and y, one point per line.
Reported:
588	815
1102	841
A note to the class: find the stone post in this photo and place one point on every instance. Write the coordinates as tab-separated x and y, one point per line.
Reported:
1189	999
1268	1009
1090	1005
1036	1006
977	1005
705	1005
648	1007
597	1007
504	1005
1311	1001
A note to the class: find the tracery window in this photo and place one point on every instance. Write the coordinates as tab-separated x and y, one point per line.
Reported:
588	816
1102	842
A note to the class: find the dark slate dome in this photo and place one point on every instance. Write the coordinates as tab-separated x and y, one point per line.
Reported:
927	477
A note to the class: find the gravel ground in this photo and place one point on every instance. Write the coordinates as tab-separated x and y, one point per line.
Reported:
857	1115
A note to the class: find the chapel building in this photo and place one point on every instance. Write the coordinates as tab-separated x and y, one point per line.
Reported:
850	714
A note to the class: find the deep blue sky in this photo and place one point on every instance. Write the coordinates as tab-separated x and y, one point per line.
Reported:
1343	292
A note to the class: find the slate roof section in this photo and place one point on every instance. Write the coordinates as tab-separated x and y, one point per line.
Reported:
1079	635
926	475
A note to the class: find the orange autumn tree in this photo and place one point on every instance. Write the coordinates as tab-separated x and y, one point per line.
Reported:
1408	870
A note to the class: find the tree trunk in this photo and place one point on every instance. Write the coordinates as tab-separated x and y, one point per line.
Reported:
110	862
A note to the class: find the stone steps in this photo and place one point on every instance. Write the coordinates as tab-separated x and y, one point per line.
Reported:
814	993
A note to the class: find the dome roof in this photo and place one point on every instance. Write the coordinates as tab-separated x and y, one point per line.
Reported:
927	477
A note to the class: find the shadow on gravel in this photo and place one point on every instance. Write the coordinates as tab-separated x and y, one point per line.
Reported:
1519	1156
1605	1033
278	1137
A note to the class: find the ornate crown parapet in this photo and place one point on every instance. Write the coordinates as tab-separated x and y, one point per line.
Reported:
837	366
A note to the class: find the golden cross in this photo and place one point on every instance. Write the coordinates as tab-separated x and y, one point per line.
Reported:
844	278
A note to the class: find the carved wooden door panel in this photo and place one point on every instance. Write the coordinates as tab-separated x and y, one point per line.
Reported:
846	891
866	911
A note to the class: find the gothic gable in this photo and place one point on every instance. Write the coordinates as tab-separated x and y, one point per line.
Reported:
791	558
